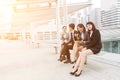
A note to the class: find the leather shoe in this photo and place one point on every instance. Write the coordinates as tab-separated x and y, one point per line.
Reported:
73	62
73	66
67	61
72	73
77	75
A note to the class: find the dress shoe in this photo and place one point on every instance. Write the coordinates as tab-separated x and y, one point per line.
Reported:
72	73
73	66
67	61
77	75
73	62
60	59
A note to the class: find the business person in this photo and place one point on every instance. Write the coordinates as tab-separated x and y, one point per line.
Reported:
70	43
81	37
93	46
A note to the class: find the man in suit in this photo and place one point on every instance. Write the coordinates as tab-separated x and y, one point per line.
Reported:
70	43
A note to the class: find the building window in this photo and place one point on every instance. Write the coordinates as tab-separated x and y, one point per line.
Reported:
107	46
115	46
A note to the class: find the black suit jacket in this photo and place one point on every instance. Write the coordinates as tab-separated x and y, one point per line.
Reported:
73	36
94	42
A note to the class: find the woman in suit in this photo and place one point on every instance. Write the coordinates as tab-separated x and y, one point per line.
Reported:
93	46
80	37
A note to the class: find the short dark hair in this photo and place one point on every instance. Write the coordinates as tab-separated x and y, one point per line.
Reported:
64	26
72	25
93	26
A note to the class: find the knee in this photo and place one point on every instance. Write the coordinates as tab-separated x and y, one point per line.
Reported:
77	49
83	55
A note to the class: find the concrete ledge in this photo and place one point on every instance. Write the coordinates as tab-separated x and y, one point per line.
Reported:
108	58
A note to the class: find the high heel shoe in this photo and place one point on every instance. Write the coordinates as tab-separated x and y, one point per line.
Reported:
73	66
73	62
72	73
76	75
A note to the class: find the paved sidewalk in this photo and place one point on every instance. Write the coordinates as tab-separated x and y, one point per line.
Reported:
19	61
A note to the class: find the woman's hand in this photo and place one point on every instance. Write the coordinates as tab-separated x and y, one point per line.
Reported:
81	42
69	43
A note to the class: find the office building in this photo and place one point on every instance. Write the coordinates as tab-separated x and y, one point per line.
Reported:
110	21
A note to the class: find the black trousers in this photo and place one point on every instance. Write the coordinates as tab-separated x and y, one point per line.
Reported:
65	51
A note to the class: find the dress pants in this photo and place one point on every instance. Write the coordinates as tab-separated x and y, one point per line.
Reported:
66	50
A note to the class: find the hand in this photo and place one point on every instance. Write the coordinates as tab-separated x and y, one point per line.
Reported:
81	42
80	48
65	41
69	43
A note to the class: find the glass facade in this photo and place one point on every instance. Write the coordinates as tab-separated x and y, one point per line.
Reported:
112	46
107	46
110	21
115	46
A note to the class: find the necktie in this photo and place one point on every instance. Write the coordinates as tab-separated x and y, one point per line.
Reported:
71	37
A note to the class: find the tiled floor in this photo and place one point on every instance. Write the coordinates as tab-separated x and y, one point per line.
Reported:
19	61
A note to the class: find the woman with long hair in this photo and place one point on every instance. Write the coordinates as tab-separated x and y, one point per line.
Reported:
81	36
93	46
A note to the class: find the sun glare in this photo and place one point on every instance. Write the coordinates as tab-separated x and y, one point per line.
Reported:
5	16
5	13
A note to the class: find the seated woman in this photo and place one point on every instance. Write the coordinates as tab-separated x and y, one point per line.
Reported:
80	36
64	39
93	46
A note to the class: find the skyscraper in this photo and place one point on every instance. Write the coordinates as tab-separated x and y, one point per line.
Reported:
110	21
95	16
111	17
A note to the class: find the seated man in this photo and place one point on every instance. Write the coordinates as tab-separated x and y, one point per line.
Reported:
70	43
64	39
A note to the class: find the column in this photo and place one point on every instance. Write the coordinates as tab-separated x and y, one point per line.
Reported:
65	13
58	21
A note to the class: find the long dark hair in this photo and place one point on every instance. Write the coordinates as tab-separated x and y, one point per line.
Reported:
82	26
91	23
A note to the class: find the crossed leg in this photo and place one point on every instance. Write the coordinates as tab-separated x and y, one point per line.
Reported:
81	60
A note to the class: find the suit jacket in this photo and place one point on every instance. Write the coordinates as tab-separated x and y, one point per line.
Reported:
73	36
64	38
95	42
85	34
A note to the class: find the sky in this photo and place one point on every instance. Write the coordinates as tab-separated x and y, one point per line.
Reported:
96	3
